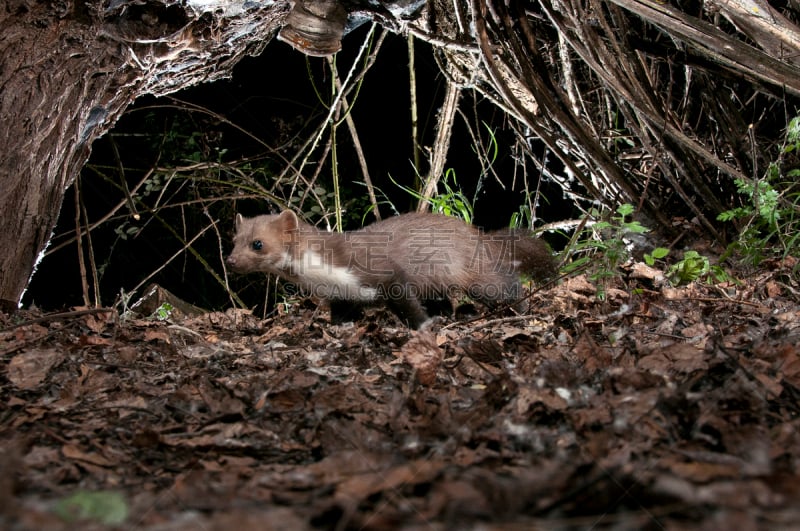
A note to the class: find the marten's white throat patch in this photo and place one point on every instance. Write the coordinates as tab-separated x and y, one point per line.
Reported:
326	280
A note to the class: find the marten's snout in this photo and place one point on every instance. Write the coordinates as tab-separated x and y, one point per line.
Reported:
237	263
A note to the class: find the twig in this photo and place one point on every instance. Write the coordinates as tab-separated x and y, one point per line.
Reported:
57	316
442	43
90	252
362	160
234	298
335	104
412	89
444	131
78	235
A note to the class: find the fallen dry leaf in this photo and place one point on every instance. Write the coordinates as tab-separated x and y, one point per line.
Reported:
675	409
29	369
422	352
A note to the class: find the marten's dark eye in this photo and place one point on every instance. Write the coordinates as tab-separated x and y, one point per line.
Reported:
257	245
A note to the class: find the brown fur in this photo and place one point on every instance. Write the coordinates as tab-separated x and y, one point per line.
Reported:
401	261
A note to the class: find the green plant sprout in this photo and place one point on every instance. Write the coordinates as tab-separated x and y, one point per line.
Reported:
452	202
602	247
694	266
103	507
659	253
163	312
690	268
768	221
521	218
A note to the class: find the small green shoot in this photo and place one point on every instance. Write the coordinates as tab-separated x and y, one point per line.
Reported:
452	202
659	253
602	248
690	268
107	508
694	266
163	312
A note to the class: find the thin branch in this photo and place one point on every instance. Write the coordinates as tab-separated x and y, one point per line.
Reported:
412	91
444	131
362	159
81	262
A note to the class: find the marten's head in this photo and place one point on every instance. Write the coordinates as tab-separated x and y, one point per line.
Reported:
264	243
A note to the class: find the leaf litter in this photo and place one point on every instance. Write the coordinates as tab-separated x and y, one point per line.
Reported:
673	408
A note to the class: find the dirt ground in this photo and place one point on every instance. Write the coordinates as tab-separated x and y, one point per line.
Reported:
659	408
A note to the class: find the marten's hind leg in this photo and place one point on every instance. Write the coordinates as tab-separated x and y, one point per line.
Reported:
402	297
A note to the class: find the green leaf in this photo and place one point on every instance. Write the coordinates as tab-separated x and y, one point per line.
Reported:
690	268
657	254
636	227
492	144
660	252
108	508
625	209
718	274
163	312
728	215
793	130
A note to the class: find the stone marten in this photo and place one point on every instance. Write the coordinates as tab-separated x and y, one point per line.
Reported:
400	262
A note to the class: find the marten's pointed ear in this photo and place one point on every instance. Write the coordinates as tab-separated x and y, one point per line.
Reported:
237	222
289	220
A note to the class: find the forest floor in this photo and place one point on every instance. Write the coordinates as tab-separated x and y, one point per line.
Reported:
658	408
